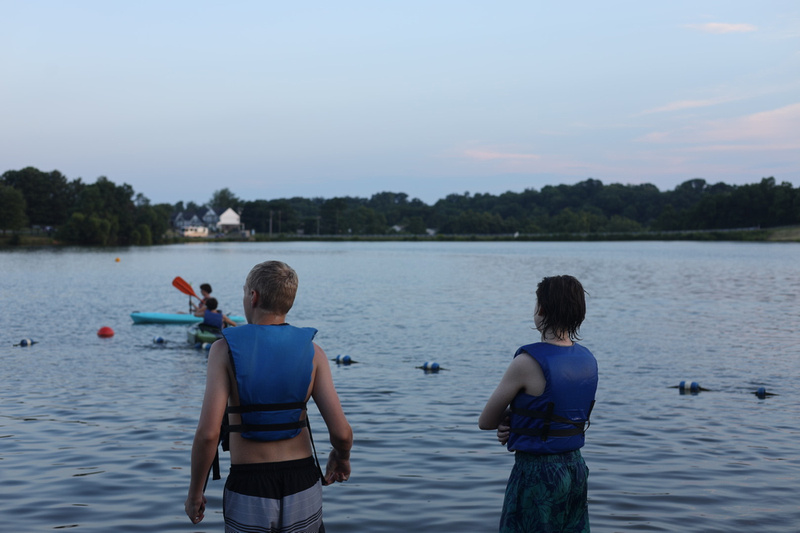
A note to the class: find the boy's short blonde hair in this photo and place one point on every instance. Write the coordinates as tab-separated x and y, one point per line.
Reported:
276	285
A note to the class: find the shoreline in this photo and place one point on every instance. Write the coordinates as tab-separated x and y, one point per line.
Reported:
781	234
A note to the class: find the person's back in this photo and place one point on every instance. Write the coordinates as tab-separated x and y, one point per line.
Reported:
550	387
274	481
213	318
272	364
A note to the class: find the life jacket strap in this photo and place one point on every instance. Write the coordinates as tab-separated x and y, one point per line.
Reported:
238	409
224	442
241	428
579	426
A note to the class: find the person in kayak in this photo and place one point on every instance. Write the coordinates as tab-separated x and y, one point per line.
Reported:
205	291
213	317
550	388
263	373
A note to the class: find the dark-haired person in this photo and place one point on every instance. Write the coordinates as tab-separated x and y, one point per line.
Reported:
205	291
264	373
213	317
541	410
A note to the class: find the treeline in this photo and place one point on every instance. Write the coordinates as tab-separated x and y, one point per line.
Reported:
103	213
99	213
586	207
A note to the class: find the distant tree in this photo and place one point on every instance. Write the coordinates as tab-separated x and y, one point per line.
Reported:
91	230
416	226
48	195
223	199
332	212
141	200
12	209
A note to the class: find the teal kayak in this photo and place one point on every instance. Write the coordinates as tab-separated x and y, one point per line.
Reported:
174	318
195	334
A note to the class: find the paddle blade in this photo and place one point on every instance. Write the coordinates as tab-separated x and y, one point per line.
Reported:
180	284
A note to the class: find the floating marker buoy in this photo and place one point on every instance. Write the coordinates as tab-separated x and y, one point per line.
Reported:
117	259
430	366
105	332
762	393
159	340
689	386
205	346
26	342
343	360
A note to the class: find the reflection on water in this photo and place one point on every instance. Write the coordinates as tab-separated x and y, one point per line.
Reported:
95	433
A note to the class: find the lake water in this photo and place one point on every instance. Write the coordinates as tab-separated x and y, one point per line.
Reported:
95	434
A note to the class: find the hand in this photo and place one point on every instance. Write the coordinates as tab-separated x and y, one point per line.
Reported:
195	508
504	430
337	469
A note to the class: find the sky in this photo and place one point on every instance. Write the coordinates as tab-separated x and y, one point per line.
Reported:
270	99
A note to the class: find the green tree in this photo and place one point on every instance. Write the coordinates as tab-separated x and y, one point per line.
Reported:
223	199
12	209
416	226
48	195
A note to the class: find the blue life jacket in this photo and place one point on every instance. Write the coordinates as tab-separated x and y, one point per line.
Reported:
273	366
212	319
556	421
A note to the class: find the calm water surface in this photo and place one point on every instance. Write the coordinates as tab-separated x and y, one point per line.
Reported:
95	433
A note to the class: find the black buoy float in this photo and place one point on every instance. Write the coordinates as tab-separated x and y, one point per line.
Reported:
159	340
430	366
762	393
26	342
343	360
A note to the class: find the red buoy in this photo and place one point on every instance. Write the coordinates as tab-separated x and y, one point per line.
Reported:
105	331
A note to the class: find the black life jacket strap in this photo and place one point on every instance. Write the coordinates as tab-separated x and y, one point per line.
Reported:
579	426
227	428
241	428
313	447
238	409
261	407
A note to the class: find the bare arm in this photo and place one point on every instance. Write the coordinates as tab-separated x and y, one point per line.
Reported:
341	434
523	375
206	436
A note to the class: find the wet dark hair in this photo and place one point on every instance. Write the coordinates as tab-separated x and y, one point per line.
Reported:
205	287
211	304
562	302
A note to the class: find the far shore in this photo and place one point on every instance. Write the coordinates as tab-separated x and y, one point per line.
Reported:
9	240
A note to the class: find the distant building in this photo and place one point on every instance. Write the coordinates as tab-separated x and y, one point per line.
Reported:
192	224
229	220
210	219
194	231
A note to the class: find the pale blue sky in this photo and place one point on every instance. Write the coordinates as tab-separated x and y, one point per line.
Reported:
279	99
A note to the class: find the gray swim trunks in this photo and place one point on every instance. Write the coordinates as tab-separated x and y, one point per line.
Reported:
283	497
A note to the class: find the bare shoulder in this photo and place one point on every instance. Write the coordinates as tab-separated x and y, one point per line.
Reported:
218	354
530	374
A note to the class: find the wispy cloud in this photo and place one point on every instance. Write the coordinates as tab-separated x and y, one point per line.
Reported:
488	155
681	105
776	129
722	27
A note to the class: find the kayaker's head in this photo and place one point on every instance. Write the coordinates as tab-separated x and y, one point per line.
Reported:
205	290
211	304
276	285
